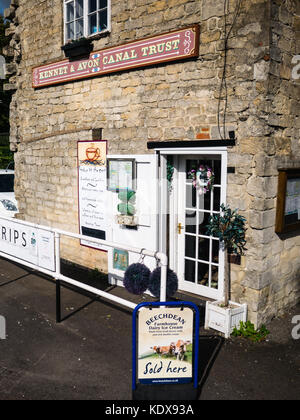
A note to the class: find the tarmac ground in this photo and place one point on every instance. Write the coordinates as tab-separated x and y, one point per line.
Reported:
88	356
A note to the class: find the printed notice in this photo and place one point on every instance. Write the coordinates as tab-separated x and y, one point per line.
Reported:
92	184
165	349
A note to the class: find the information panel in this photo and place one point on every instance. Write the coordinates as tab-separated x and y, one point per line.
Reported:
30	244
92	190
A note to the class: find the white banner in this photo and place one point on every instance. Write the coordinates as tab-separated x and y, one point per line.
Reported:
30	244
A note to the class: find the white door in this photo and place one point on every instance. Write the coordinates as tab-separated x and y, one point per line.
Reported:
200	258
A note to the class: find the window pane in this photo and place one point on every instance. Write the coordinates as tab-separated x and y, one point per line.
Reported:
79	9
79	28
214	277
92	6
190	222
215	251
190	164
70	30
205	202
191	201
217	198
203	222
217	171
203	252
70	12
93	24
190	271
190	246
102	20
103	4
203	274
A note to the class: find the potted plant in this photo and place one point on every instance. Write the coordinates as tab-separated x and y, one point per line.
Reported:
76	48
230	228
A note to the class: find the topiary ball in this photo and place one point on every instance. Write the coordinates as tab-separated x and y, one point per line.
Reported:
154	282
136	278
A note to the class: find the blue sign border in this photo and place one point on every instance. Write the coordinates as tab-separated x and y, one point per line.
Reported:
196	335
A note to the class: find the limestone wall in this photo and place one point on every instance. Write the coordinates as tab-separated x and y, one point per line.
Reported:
178	101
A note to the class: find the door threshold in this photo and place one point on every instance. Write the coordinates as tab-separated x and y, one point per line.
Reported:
192	297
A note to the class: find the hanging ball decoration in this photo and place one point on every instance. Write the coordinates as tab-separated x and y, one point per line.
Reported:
136	279
154	282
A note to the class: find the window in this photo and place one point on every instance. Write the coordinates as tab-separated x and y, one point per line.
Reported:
84	18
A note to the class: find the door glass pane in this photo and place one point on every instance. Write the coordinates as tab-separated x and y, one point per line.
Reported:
190	164
203	222
191	199
190	246
190	271
214	277
203	274
217	198
203	251
204	204
215	251
191	221
217	171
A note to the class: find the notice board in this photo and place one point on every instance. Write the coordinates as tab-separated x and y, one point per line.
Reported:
288	201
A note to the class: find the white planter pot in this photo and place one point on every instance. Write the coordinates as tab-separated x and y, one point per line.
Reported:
225	319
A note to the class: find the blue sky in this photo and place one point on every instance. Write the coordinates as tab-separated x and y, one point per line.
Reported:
3	5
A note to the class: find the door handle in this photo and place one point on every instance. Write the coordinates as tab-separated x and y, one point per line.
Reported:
180	228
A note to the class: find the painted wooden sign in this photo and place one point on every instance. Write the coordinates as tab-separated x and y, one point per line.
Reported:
172	46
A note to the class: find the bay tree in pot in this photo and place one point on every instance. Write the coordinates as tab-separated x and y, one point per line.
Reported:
230	228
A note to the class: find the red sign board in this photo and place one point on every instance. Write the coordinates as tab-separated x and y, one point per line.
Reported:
173	46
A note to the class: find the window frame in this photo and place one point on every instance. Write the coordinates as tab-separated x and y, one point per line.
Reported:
86	15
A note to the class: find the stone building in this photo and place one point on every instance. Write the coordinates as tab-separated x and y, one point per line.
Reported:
232	105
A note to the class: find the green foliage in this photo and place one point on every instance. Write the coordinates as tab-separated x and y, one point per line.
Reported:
230	228
247	330
170	172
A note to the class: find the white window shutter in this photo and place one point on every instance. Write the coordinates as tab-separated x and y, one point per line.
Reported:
146	234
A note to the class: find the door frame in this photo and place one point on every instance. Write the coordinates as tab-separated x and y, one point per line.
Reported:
169	205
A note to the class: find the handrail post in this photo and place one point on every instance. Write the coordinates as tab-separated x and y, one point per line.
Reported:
57	276
57	254
164	273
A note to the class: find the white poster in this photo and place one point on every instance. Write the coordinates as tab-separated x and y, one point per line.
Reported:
92	190
30	244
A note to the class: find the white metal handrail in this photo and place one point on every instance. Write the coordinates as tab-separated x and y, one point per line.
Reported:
58	276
